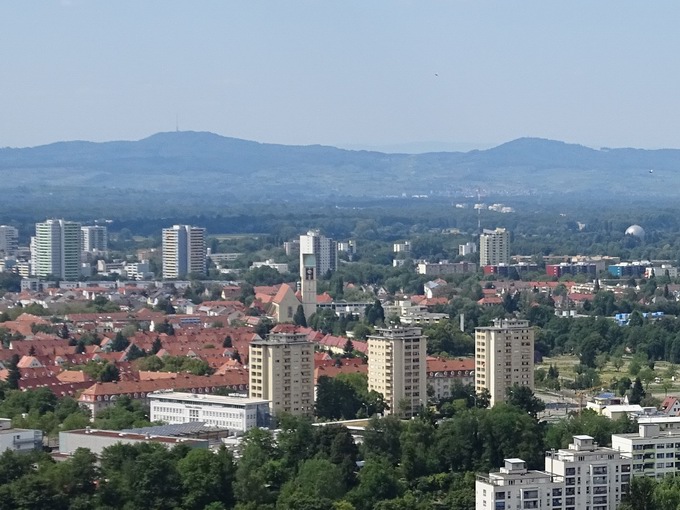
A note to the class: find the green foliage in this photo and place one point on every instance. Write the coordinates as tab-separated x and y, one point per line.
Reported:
445	338
124	414
299	317
193	366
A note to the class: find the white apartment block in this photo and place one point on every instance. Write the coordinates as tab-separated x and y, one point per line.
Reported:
281	369
581	477
515	487
94	238
9	240
467	249
56	249
234	413
504	356
494	247
19	440
184	251
655	452
325	252
397	360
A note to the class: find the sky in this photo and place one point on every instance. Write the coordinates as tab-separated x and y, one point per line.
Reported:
383	74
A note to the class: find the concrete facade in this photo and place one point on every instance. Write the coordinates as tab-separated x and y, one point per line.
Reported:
281	370
232	412
504	356
494	247
57	249
184	251
397	359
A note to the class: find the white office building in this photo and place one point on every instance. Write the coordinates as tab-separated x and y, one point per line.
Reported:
184	251
231	412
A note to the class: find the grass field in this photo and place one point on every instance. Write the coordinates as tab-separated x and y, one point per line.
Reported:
566	364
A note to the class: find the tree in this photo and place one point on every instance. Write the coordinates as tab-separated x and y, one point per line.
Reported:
120	343
378	481
637	392
110	373
299	317
336	399
348	349
375	314
618	363
206	478
134	353
157	345
14	376
228	342
523	398
165	327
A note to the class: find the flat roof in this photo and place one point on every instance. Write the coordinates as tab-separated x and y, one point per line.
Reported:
114	434
199	398
14	431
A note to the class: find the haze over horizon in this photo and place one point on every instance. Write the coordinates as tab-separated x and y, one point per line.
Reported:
393	74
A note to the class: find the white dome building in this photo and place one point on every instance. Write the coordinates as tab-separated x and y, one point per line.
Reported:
636	231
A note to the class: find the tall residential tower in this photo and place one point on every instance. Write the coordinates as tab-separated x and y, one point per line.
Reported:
183	251
397	357
94	238
57	249
494	247
9	240
504	356
282	372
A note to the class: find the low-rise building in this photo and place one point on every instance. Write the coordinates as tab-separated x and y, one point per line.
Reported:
280	267
444	374
19	440
445	267
235	413
96	440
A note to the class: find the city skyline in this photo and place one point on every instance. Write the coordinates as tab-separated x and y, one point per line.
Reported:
453	76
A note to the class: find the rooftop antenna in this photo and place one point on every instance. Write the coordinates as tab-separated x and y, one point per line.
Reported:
177	122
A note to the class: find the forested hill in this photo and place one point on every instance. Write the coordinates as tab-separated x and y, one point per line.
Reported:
206	164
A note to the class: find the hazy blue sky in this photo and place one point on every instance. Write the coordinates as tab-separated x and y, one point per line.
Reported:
372	73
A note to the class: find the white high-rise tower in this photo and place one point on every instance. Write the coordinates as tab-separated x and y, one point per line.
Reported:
183	251
57	249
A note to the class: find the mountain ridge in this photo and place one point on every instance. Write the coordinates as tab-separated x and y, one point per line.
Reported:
203	162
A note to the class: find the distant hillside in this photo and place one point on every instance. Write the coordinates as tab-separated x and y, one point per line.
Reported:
208	166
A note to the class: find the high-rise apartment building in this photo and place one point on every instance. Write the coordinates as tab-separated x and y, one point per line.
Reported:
183	251
397	358
94	238
494	247
9	240
281	369
504	356
57	249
